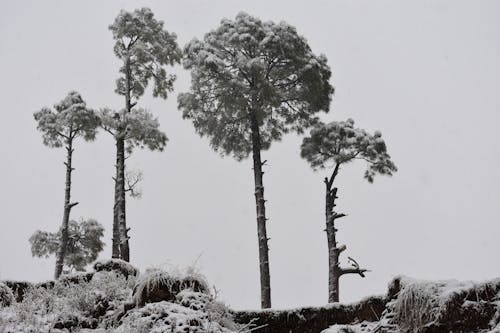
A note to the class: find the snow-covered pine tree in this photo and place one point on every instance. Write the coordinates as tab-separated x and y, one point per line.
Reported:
252	82
70	119
145	49
83	243
136	128
340	143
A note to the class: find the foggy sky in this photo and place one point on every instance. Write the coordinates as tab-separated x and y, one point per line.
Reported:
424	73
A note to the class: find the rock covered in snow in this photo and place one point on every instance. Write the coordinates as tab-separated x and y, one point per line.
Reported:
169	317
117	265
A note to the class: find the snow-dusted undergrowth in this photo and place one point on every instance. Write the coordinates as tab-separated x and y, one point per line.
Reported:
43	308
118	301
170	317
435	306
167	284
6	295
423	303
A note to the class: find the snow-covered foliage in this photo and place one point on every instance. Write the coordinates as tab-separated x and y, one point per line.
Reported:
100	302
118	265
247	68
169	317
340	142
70	119
145	48
6	295
82	303
84	243
419	306
138	127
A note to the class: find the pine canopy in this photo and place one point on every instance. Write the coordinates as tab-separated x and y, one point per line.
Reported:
146	48
340	142
69	119
249	68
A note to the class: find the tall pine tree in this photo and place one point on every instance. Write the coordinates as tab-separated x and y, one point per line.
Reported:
145	49
251	83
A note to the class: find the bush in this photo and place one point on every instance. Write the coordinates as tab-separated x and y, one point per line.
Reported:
75	300
6	295
168	317
158	285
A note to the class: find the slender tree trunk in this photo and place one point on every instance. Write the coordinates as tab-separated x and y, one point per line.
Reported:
334	270
61	253
117	208
265	279
121	247
334	251
124	245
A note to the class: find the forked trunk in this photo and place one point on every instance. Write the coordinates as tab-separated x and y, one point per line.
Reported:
61	253
265	279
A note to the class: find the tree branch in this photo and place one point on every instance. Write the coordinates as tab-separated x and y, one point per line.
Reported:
360	271
73	204
354	270
334	174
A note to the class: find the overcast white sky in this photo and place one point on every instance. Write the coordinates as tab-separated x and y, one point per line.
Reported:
425	73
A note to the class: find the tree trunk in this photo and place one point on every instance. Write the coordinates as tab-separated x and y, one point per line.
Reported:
61	253
265	279
334	251
121	247
119	184
334	270
124	245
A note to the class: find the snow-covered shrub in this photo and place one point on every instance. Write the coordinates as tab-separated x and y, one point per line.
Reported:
219	312
160	285
424	305
36	302
74	300
216	311
116	265
193	300
106	290
6	295
168	317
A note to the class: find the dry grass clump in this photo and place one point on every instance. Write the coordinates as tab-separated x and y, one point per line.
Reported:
157	285
426	305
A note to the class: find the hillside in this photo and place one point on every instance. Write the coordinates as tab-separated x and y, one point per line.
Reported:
116	298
